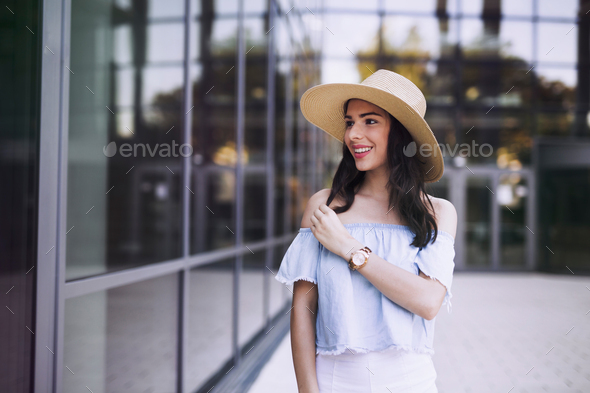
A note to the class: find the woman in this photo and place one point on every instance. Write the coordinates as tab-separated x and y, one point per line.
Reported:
373	261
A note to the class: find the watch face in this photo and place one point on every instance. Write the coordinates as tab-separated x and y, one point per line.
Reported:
358	258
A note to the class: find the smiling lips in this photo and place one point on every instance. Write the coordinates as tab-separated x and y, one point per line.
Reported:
361	150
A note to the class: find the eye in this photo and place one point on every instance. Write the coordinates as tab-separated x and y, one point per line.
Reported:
349	123
371	120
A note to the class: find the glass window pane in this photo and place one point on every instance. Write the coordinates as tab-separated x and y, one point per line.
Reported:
214	135
473	7
255	6
162	86
512	197
424	6
556	100
163	9
123	51
340	71
557	86
210	321
284	5
123	339
165	42
281	80
557	42
330	155
214	200
439	84
497	39
561	8
501	137
282	37
254	206
564	219
439	189
418	37
516	40
214	102
256	94
343	42
251	312
226	6
554	122
195	49
478	225
221	36
499	85
195	7
351	5
442	124
124	169
125	89
520	8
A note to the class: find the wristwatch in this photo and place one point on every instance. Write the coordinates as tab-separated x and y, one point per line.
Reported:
359	258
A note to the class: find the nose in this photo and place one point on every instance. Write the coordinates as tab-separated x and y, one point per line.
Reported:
355	132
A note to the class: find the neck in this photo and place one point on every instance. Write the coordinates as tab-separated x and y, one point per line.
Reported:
375	183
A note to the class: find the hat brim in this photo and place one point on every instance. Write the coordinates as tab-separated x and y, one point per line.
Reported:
323	105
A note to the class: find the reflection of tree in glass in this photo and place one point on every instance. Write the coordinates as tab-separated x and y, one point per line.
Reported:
383	54
497	79
214	100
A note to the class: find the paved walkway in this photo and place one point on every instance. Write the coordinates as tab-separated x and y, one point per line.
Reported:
508	332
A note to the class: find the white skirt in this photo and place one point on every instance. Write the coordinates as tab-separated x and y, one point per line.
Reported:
391	370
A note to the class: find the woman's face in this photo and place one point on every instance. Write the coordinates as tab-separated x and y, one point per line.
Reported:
367	126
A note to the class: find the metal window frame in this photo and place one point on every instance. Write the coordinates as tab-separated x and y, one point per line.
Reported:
270	168
54	54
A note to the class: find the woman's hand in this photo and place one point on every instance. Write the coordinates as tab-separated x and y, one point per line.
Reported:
328	230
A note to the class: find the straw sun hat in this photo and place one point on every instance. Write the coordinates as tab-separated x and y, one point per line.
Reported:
323	105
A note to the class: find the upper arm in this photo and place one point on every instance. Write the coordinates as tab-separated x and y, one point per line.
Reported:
305	291
446	220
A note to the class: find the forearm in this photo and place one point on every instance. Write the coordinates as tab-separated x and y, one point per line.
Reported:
410	291
303	347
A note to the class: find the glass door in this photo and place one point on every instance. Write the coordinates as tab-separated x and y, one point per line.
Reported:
478	222
512	197
495	229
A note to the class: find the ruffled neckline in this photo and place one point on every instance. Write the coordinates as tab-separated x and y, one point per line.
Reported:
380	225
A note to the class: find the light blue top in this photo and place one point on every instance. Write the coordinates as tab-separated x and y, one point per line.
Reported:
354	315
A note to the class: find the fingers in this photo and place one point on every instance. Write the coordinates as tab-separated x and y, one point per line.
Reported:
324	208
318	214
314	220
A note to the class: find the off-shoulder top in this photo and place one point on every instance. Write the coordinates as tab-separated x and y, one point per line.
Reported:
352	313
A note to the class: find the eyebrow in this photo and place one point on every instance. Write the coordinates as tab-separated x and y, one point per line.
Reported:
363	115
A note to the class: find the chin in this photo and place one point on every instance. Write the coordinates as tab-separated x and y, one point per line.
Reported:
364	167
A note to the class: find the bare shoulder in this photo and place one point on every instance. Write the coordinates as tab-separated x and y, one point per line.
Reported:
314	202
445	215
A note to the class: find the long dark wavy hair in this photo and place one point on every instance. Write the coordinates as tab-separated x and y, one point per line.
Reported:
405	184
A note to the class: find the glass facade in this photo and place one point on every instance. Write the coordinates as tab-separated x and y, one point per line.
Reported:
187	167
157	162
